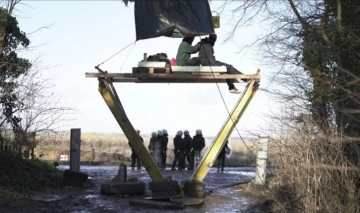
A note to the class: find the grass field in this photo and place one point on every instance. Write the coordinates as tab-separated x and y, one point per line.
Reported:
114	149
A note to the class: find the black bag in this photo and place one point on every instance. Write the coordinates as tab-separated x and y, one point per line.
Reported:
160	57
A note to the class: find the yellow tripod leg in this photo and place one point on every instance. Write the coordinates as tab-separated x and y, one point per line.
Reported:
224	133
108	92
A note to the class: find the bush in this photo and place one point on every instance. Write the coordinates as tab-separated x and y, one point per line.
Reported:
23	174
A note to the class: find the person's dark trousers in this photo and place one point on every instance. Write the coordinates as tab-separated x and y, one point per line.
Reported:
230	84
138	162
163	159
195	61
188	158
221	163
182	161
191	166
133	160
176	160
230	70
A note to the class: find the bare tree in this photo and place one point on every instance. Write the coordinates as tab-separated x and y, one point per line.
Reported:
39	109
316	45
27	105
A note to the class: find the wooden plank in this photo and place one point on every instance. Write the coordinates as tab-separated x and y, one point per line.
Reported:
205	73
151	70
172	80
173	77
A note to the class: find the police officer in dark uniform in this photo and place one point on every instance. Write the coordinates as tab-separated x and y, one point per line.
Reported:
178	151
164	144
159	143
198	146
188	144
135	161
221	158
152	144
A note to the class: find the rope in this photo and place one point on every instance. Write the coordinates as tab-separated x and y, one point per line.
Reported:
229	114
126	58
116	53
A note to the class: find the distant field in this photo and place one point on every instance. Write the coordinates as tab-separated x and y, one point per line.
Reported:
114	149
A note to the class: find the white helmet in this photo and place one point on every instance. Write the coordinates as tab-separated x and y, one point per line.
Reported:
186	132
198	132
179	133
159	133
164	132
153	134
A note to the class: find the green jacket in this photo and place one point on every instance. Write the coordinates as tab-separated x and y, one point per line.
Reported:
184	52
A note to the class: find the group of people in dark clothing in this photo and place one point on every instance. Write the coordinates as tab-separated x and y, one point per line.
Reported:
187	150
158	147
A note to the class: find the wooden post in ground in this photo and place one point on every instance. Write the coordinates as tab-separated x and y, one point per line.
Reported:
75	139
32	147
261	161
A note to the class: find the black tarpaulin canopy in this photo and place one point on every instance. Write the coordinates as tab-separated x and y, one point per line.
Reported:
172	18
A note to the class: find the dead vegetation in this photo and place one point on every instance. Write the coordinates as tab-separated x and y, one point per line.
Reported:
114	149
313	174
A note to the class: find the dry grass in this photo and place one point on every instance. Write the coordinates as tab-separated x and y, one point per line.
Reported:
313	174
114	148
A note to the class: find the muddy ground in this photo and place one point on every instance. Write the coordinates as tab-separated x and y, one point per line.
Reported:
223	193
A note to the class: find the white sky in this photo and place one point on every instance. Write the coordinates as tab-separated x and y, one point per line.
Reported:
83	34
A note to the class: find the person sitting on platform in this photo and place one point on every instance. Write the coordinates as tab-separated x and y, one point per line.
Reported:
184	53
207	58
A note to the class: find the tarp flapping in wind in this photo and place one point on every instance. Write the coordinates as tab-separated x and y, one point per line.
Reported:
172	18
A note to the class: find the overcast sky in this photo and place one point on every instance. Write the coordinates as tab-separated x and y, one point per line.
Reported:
75	36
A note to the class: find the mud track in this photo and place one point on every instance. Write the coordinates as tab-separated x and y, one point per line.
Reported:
222	191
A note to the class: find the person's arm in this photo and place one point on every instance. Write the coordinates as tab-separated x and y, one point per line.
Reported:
192	49
202	143
176	146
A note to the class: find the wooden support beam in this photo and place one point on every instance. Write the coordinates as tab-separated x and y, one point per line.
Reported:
173	77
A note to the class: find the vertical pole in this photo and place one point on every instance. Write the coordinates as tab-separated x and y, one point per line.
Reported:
75	138
33	134
261	160
122	173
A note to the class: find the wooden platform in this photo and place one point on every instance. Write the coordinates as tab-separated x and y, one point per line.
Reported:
143	76
151	70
